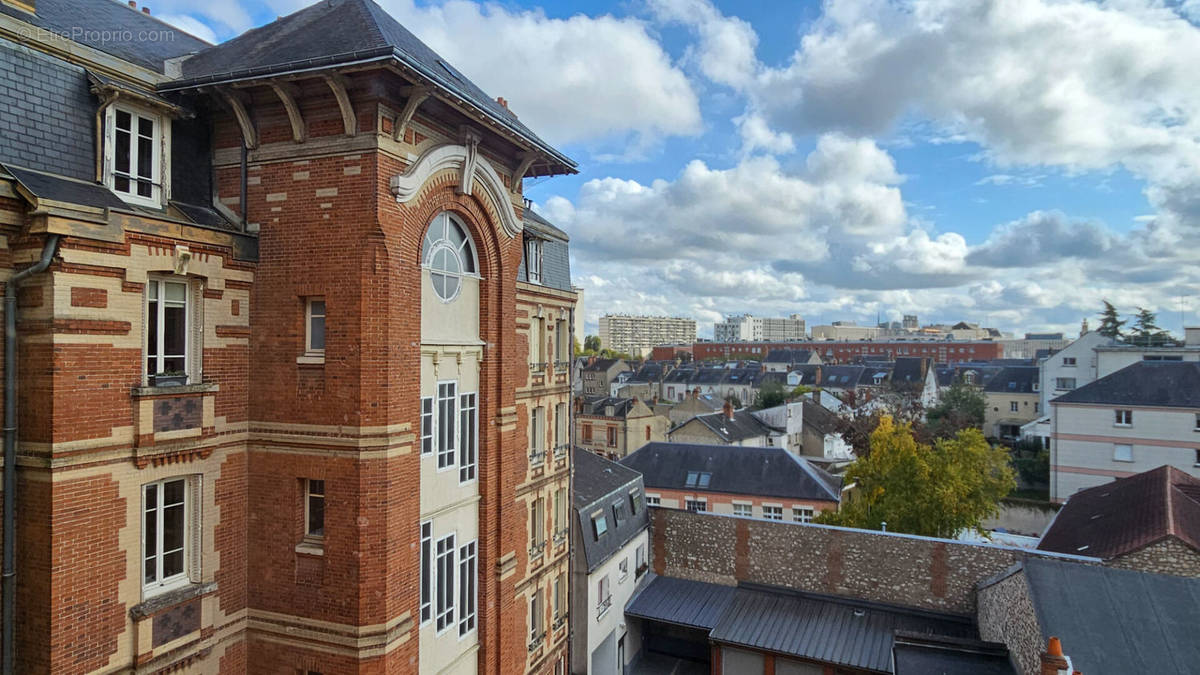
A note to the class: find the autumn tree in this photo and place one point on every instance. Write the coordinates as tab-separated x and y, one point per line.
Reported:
934	490
902	405
961	406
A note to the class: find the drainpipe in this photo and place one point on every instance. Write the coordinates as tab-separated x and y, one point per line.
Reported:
10	445
245	182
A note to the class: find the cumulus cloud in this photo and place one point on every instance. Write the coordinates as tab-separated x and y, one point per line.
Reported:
1043	237
581	79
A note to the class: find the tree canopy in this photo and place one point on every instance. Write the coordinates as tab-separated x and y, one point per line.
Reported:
933	490
770	395
1110	322
960	407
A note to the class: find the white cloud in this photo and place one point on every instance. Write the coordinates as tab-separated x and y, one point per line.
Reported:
581	79
725	51
192	25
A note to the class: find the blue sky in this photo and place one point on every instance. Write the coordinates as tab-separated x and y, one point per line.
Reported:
1011	162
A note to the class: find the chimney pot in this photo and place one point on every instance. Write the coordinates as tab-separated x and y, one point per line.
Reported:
132	4
145	10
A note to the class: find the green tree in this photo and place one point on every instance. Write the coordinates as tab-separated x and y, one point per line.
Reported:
1110	323
770	395
1147	331
577	350
933	490
960	407
733	400
591	343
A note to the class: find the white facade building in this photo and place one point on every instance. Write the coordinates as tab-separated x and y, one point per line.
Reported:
637	335
1136	419
746	328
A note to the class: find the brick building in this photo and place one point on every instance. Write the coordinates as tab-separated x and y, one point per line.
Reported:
844	351
614	427
275	381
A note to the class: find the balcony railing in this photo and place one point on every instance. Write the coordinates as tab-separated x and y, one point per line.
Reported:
536	549
559	621
536	641
562	365
560	536
603	606
537	367
560	451
537	457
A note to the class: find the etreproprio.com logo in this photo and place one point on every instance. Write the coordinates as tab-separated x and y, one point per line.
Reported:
85	35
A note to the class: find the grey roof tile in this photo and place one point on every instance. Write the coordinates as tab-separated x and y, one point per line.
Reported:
1169	384
767	472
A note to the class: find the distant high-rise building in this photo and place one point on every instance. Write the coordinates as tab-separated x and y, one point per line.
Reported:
637	334
746	328
910	322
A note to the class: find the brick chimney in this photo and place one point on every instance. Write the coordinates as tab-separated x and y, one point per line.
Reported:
727	410
1053	661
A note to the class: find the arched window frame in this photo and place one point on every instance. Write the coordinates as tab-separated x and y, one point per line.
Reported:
439	240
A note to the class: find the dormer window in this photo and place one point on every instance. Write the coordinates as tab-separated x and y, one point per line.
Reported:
134	161
533	260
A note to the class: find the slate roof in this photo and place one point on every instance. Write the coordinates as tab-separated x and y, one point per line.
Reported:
1114	620
911	370
556	258
850	633
764	472
536	223
601	365
916	654
335	32
598	483
809	373
743	425
104	19
680	375
1014	380
1167	384
1127	515
598	405
845	377
651	371
820	418
788	356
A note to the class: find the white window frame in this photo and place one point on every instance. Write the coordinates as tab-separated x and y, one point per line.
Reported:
639	559
159	157
428	425
468	587
622	569
309	315
446	430
1123	417
701	505
653	500
1069	362
743	509
183	578
158	283
533	260
468	438
308	497
1117	454
1014	406
429	247
537	615
428	585
772	512
444	590
803	514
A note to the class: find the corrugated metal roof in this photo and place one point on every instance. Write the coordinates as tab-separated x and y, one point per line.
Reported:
682	602
937	655
843	632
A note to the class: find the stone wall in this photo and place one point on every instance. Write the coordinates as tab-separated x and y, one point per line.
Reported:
1169	556
1006	615
934	574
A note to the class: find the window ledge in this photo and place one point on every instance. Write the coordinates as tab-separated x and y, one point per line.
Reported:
311	359
202	388
161	601
311	547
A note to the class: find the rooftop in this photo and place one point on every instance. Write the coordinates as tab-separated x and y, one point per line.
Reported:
1128	514
1168	384
766	472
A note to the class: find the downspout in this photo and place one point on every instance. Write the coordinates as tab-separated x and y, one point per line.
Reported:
10	445
245	181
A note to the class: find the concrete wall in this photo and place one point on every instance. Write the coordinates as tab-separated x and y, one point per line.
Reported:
922	572
593	632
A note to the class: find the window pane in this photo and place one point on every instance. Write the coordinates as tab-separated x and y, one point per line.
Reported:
439	284
146	127
318	307
456	236
451	287
174	331
123	142
173	492
152	327
316	332
124	120
175	291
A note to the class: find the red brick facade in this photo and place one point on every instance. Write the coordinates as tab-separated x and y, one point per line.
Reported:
258	420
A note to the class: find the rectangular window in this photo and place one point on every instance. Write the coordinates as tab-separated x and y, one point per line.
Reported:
1069	361
447	398
599	524
426	571
537	436
445	582
427	425
696	506
133	155
536	632
802	514
623	569
167	327
562	433
466	588
468	435
617	515
314	336
537	524
773	512
603	596
744	510
533	260
635	502
560	597
1066	383
562	341
1124	418
653	500
1013	407
1122	453
314	507
1197	423
640	559
560	510
164	534
612	437
587	432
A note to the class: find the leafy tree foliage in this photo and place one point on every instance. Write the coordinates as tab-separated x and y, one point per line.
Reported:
770	395
901	405
1110	323
960	407
933	490
1147	332
591	343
